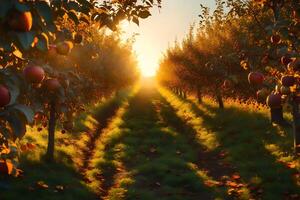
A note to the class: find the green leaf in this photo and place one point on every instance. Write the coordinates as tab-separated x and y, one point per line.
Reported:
26	39
85	19
136	20
22	7
72	15
6	133
6	5
144	14
111	25
72	5
85	3
14	89
6	45
17	124
43	42
44	11
25	111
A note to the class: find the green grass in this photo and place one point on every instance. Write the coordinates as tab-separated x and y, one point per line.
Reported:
68	159
141	157
160	146
256	149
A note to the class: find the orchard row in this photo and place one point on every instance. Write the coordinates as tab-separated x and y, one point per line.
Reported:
245	50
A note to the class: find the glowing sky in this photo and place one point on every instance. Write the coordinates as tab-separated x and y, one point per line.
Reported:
160	30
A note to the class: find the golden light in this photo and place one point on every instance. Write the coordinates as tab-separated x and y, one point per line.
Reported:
147	67
146	54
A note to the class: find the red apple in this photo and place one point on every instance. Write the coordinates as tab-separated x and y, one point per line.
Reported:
4	96
285	60
288	80
275	39
52	84
274	100
20	21
294	65
256	78
34	74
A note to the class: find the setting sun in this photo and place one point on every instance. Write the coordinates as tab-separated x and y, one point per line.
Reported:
156	33
147	68
144	50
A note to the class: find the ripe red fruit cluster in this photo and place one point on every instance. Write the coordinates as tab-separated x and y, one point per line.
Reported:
256	78
4	96
36	74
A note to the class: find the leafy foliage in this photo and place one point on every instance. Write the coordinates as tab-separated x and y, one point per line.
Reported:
42	34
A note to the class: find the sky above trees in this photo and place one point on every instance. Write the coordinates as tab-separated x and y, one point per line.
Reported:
162	29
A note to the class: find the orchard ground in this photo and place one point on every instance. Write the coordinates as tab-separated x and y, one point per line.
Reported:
147	143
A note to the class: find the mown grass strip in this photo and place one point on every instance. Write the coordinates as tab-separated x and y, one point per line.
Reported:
244	136
143	158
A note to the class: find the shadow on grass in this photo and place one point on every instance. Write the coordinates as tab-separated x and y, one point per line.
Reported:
61	180
150	160
46	181
244	135
209	161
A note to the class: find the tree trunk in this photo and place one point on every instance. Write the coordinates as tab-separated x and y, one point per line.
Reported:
184	94
51	131
276	115
176	91
219	99
296	127
199	96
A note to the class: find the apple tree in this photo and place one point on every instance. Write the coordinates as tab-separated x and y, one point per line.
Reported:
30	83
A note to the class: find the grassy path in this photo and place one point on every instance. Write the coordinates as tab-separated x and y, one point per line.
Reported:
144	154
162	147
151	144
